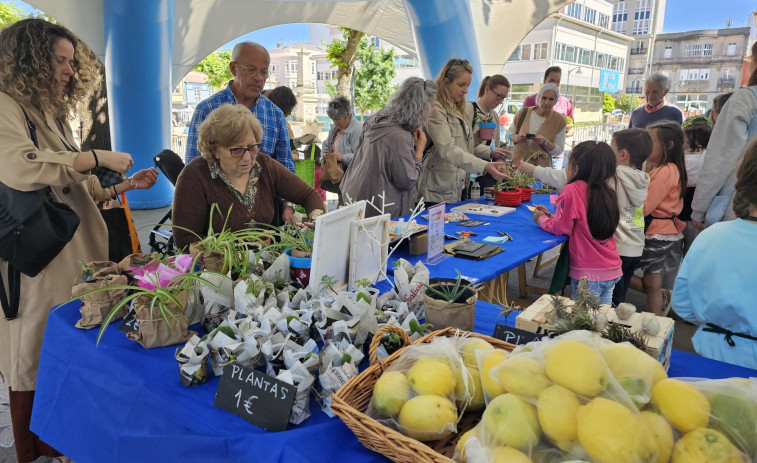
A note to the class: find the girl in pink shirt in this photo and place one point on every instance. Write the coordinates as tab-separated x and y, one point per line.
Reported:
587	211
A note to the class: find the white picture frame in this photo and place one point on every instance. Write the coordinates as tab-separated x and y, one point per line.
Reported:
331	245
369	248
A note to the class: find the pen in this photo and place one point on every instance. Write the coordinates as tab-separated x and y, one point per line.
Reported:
505	234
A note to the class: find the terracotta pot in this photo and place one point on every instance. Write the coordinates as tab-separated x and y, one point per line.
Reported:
486	130
510	197
525	194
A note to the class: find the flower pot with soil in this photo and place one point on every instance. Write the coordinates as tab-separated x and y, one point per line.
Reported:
450	303
486	130
508	196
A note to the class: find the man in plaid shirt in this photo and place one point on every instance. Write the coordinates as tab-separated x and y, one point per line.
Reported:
249	66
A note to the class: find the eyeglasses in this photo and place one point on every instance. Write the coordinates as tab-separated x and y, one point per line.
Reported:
499	97
239	151
253	70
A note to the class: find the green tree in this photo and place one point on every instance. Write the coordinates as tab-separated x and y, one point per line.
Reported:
373	77
341	55
627	102
10	13
608	103
216	67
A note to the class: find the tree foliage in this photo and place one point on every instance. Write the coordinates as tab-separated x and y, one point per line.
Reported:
216	67
10	13
608	103
627	102
373	77
342	54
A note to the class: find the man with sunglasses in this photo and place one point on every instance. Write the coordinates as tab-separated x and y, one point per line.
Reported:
249	66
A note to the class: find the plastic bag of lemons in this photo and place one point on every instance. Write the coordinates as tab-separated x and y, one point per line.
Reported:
579	397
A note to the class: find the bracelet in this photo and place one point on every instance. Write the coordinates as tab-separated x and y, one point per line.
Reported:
97	163
133	184
115	193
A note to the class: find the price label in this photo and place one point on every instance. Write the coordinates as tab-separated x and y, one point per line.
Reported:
516	335
256	397
130	323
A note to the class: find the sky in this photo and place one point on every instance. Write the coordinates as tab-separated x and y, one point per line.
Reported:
680	15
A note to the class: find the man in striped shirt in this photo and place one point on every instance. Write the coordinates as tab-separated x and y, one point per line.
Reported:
249	66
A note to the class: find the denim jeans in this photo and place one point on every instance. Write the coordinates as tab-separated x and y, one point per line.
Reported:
601	289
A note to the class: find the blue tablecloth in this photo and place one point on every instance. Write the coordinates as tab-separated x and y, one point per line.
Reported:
121	403
528	241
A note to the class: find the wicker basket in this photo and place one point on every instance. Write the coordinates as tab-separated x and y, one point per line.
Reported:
376	341
351	401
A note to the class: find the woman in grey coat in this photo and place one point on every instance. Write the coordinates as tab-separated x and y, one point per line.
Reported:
389	159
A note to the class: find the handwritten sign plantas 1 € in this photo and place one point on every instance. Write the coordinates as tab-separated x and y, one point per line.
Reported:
256	397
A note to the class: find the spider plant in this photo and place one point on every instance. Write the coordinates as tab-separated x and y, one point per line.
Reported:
448	291
159	298
290	236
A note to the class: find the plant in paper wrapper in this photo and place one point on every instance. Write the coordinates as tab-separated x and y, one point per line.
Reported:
96	305
193	362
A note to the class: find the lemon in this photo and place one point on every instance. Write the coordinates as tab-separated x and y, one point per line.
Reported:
428	417
634	369
611	433
682	404
470	348
663	435
492	360
523	375
474	390
556	409
511	421
705	446
430	375
460	447
576	366
390	393
508	455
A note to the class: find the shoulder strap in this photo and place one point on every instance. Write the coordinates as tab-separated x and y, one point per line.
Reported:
519	122
31	126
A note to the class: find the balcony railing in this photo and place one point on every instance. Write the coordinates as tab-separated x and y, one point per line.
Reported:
633	71
726	83
633	90
638	51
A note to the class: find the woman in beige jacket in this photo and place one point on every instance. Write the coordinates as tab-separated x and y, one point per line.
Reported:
44	72
451	160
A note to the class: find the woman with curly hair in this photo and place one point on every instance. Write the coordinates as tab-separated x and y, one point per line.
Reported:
44	74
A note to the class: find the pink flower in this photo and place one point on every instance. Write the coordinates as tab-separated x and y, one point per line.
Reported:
158	275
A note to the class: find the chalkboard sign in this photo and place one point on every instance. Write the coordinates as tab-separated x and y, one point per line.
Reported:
516	335
256	397
130	323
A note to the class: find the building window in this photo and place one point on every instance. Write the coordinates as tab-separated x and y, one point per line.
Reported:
312	67
585	57
696	49
727	73
516	54
641	19
589	15
693	74
604	21
274	68
731	49
574	9
540	50
525	53
704	74
707	49
684	74
668	53
601	61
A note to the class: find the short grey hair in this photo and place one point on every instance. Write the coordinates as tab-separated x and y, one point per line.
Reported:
410	105
546	88
238	49
340	106
661	79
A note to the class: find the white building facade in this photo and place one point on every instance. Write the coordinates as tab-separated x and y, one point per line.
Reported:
578	38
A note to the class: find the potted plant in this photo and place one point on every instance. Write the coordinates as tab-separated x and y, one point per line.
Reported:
298	245
507	195
450	303
523	182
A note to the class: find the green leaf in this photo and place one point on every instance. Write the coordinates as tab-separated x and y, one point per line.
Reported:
346	358
361	296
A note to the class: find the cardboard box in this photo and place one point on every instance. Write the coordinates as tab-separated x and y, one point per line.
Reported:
659	347
419	244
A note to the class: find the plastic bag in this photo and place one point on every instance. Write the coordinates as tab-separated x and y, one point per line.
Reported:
416	394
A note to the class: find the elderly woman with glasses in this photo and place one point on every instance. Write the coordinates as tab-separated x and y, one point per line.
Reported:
538	132
231	174
343	137
451	158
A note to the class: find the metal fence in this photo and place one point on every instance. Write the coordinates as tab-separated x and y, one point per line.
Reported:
596	132
179	144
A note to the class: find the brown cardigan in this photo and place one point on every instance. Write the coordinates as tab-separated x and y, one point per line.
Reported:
535	154
196	191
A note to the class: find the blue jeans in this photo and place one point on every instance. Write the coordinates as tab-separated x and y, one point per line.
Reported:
601	289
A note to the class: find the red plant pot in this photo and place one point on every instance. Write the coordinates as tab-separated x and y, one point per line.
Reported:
525	194
510	197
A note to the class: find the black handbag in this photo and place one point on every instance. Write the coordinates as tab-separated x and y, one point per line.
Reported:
34	229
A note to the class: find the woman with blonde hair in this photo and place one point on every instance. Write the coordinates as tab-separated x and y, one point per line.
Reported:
450	160
232	174
44	74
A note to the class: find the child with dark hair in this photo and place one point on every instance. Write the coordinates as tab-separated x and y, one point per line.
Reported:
717	293
631	147
587	211
667	187
696	131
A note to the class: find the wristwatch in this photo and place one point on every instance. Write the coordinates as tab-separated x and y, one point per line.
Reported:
288	204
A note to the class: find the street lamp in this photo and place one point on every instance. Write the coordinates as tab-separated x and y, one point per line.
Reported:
578	72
